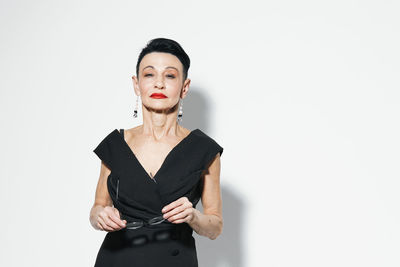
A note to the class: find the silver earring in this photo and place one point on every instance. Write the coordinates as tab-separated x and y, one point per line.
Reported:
180	114
135	111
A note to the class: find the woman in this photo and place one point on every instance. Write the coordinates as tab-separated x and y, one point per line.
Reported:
153	175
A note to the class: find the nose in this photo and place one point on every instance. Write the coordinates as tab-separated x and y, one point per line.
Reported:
160	83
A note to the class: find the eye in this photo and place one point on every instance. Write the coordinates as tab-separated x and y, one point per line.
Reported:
171	76
148	74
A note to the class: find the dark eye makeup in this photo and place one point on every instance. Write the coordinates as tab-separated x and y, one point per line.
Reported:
169	76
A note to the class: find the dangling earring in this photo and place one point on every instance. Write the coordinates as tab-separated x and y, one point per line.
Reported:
135	111
180	114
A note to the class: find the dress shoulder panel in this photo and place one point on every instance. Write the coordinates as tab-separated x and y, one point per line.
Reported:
209	147
106	149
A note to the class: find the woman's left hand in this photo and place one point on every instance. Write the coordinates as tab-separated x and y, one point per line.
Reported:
179	211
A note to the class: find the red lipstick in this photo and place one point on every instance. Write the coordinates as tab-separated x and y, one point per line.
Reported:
158	95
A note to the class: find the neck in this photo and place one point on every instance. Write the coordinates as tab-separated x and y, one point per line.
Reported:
160	123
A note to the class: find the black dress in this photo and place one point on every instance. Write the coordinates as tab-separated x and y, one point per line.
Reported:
139	198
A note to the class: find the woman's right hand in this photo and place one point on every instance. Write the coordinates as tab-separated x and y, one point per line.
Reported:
107	219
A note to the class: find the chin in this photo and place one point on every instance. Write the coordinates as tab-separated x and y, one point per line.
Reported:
160	108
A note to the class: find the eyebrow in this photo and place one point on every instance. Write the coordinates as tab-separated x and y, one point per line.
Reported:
169	67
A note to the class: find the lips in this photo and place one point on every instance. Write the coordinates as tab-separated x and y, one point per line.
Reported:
158	95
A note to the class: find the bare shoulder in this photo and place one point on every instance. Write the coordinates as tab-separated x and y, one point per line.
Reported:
185	131
132	132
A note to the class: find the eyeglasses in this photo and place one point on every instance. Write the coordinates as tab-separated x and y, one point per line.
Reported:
141	223
138	224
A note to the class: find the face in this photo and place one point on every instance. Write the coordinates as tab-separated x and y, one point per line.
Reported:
160	81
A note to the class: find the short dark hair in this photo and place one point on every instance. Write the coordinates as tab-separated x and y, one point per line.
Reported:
167	46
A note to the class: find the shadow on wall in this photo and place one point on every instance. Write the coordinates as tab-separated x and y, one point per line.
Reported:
226	249
197	110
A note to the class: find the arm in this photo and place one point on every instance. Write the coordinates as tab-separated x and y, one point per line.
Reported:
210	223
102	198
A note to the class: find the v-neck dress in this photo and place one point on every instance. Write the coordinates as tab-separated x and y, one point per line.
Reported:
137	196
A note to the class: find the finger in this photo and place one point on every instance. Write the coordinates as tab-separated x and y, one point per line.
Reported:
110	223
175	204
113	221
183	200
117	219
185	205
178	216
116	212
175	211
184	219
99	226
169	207
103	224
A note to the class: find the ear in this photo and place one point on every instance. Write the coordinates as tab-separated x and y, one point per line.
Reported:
185	88
136	85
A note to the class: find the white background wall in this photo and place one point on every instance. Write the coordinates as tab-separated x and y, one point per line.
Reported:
303	96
